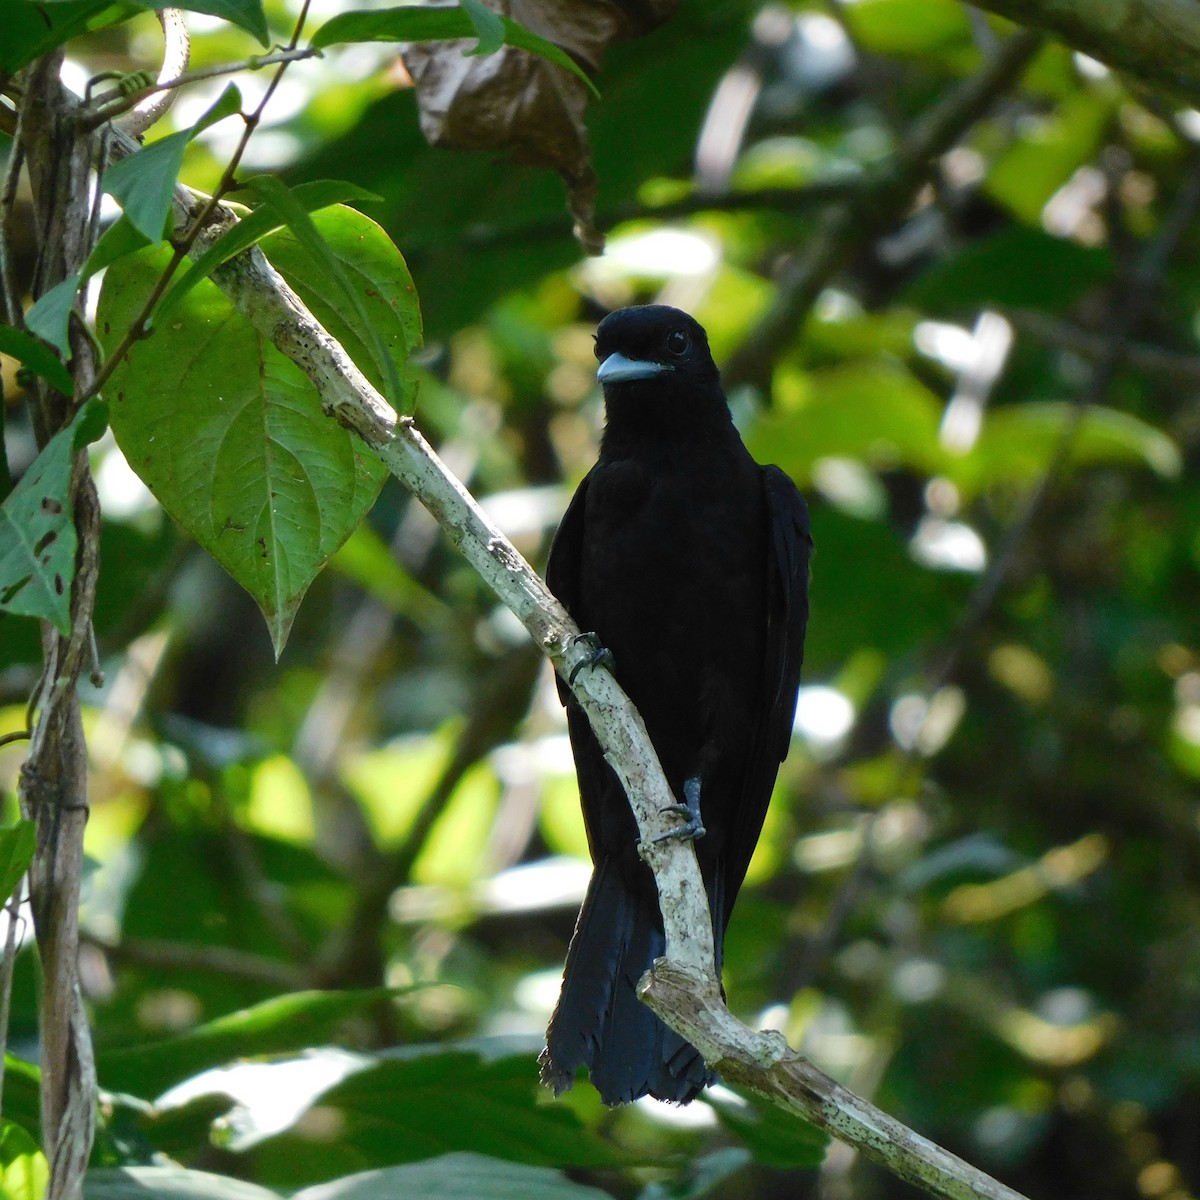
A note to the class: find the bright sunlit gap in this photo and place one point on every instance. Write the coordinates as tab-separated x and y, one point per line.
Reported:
926	724
948	545
271	1094
658	253
122	494
823	715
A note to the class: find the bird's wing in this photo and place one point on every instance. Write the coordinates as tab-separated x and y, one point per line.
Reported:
564	565
788	555
789	548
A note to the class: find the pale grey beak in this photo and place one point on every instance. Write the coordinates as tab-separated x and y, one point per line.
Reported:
616	368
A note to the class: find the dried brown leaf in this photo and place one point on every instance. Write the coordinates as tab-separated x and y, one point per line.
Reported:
515	102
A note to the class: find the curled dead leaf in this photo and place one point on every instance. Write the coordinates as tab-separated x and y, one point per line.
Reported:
523	105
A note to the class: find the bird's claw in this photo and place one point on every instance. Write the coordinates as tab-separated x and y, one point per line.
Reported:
600	655
692	827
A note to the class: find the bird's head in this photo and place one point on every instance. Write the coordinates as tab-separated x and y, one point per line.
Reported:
653	348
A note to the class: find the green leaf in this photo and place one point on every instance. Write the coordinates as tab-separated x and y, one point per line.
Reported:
247	14
24	1172
1018	442
316	195
17	845
242	456
776	1137
31	353
144	182
872	411
413	24
32	29
383	328
22	1095
488	26
51	313
37	531
278	1026
455	1177
280	199
909	27
1048	150
404	1109
168	1183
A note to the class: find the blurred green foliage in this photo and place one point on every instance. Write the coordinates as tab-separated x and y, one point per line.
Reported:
345	883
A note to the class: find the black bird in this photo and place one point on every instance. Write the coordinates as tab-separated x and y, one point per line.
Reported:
689	561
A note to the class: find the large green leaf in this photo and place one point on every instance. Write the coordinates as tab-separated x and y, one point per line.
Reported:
454	1177
37	530
325	275
230	437
1018	442
405	1109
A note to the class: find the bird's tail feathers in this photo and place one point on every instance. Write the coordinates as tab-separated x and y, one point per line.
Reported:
599	1022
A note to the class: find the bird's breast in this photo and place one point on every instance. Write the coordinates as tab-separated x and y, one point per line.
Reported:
670	543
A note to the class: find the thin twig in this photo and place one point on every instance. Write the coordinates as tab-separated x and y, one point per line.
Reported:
113	104
139	326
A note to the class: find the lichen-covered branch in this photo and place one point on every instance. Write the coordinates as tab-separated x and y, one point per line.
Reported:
764	1064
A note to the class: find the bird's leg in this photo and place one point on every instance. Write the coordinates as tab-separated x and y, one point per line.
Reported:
600	655
693	826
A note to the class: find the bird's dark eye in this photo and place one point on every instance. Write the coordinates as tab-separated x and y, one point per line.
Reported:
678	341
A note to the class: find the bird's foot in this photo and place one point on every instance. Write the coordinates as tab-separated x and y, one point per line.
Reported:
599	655
693	826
